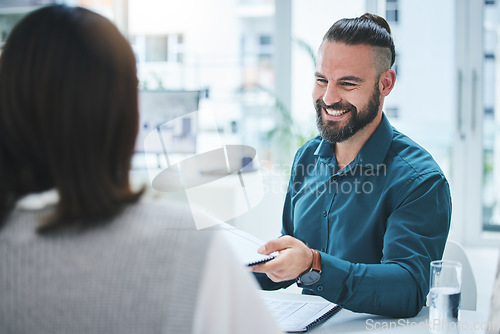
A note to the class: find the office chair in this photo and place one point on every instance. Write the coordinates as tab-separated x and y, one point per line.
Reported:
453	251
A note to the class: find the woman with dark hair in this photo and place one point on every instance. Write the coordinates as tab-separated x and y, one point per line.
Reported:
91	257
69	114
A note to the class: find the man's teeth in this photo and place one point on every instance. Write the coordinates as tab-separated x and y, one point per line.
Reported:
335	112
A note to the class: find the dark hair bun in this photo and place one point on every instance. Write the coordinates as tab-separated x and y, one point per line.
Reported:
379	20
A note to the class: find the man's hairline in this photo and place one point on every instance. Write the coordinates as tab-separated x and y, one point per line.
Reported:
379	70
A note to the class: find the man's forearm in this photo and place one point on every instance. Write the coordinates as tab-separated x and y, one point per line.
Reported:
382	289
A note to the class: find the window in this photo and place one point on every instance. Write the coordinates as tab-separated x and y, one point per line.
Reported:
156	48
392	112
265	46
392	11
491	121
160	48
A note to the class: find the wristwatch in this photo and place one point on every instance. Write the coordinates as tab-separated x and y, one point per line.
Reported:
313	274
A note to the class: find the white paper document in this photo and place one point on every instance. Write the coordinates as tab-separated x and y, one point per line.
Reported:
298	313
245	245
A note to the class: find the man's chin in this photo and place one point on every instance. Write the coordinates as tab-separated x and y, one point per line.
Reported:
334	135
335	126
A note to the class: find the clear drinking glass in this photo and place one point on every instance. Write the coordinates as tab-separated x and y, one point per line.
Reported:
444	296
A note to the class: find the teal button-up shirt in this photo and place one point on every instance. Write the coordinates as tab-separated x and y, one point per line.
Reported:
378	223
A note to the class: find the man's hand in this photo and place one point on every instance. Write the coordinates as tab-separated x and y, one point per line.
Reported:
294	258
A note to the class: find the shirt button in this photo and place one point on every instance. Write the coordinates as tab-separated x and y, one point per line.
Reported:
320	287
325	213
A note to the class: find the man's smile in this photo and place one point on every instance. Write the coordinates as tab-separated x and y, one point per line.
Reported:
333	112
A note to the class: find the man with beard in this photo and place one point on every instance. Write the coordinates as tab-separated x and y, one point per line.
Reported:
367	209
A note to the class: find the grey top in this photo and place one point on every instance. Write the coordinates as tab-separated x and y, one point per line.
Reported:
138	274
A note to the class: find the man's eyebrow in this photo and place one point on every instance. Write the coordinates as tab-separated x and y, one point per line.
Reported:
350	78
319	75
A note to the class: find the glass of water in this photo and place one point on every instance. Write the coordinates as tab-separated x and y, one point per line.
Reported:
444	296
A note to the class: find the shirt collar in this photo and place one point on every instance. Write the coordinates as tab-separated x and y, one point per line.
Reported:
373	152
324	150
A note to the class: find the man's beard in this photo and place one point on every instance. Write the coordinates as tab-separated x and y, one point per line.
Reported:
331	131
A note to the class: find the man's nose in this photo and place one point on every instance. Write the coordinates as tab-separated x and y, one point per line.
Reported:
331	95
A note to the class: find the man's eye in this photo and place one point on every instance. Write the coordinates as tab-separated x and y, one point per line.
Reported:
319	80
347	84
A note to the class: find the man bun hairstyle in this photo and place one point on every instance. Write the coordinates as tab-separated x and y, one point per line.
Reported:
369	29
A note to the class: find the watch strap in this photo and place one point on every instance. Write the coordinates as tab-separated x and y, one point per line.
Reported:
316	264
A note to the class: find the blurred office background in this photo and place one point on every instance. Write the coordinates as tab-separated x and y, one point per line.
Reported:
251	64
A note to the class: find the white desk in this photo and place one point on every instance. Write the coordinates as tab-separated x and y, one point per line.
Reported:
349	322
346	321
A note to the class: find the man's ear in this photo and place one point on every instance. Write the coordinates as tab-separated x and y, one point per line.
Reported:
386	82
